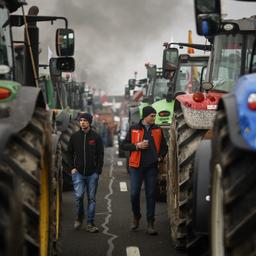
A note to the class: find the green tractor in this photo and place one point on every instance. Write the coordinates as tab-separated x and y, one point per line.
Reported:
30	158
179	73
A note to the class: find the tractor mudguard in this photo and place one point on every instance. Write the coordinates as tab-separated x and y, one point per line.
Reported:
201	182
19	112
62	120
229	103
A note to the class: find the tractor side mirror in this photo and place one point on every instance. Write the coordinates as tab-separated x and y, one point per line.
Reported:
65	42
170	62
208	17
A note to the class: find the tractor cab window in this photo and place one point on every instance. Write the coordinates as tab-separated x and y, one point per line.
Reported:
188	76
160	89
6	62
250	55
227	61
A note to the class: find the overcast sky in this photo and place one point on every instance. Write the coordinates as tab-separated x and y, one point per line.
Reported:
114	38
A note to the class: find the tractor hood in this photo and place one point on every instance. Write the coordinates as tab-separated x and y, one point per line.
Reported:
164	112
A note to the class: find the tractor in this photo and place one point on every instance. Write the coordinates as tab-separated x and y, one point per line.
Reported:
194	115
30	156
227	161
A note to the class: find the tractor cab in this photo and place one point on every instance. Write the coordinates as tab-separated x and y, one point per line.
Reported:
232	44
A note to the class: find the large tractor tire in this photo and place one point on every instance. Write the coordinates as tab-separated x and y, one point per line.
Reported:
183	143
65	137
27	159
233	195
11	222
161	182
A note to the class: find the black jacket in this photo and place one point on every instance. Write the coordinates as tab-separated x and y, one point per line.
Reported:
149	157
86	152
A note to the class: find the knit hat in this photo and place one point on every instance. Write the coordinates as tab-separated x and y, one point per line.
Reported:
146	111
86	116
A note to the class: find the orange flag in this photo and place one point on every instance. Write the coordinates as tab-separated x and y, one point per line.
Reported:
190	50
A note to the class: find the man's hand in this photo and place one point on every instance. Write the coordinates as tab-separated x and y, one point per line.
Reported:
73	171
142	145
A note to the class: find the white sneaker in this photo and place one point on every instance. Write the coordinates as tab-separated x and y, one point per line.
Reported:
77	224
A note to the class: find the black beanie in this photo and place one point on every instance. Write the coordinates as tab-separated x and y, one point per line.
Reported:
86	116
146	111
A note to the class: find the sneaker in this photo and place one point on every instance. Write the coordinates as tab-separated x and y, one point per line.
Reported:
135	223
92	228
77	224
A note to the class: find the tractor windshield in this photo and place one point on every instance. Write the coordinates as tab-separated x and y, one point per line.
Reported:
160	89
5	45
188	76
229	56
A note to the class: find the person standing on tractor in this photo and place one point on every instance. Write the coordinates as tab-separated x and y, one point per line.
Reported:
147	147
85	158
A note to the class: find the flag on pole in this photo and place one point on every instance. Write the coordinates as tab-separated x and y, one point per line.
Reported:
190	50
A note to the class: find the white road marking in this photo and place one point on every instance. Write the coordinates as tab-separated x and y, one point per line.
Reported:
109	209
132	251
119	163
123	187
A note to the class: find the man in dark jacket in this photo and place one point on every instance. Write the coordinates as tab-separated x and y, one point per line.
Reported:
147	147
85	153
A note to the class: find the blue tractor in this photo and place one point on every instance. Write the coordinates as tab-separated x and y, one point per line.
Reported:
226	163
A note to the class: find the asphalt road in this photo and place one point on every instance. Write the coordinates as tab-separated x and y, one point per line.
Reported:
113	217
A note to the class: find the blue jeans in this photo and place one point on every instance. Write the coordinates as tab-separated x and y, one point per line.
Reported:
81	182
149	175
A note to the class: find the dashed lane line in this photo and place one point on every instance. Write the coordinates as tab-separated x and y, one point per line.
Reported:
119	163
132	251
123	187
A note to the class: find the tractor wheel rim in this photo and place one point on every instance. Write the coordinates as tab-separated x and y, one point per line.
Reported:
44	209
217	219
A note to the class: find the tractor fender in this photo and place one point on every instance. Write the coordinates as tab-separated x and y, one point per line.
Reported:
18	113
177	105
201	184
229	103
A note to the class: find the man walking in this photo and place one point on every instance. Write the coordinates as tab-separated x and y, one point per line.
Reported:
85	157
147	147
